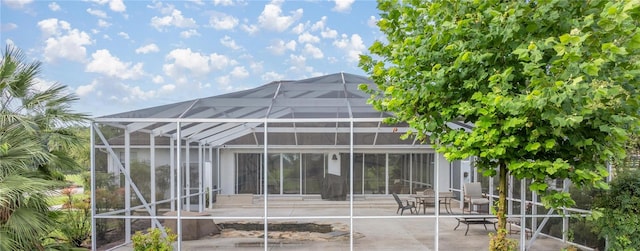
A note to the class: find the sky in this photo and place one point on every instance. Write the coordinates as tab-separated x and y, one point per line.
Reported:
118	56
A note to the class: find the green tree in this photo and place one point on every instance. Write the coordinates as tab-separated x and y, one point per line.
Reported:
33	150
618	212
550	87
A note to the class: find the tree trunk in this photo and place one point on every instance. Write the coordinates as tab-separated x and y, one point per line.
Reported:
502	200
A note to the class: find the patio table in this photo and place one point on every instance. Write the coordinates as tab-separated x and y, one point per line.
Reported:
446	198
474	220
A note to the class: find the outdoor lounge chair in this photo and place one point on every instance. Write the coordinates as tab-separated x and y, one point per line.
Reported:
403	206
473	195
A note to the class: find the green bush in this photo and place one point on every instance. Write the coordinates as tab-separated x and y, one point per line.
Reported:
153	240
617	212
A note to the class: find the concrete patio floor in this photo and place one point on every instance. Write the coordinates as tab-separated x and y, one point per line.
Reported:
388	231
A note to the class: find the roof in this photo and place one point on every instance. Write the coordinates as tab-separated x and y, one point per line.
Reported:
298	111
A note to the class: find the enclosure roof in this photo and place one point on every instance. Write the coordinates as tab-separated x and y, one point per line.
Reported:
330	96
297	111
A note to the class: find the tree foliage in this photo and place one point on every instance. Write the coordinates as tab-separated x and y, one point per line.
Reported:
550	87
618	212
33	150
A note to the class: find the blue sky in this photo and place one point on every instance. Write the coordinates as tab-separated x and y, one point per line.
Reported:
125	55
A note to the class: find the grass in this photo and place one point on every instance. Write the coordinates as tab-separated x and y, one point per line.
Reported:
61	199
75	179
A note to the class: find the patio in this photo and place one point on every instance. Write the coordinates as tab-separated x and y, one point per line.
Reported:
387	231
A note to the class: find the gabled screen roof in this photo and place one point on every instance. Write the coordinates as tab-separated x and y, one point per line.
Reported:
324	104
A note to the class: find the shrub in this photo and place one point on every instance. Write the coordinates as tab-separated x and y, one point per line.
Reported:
617	213
153	240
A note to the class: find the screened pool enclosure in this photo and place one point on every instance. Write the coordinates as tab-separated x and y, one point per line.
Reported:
312	138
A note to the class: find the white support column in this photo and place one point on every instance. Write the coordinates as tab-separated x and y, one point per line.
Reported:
200	178
127	185
565	220
510	195
172	172
436	188
442	166
351	185
187	174
152	167
265	191
179	184
523	212
92	153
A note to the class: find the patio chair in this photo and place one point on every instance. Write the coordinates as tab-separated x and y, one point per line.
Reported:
425	199
473	195
403	206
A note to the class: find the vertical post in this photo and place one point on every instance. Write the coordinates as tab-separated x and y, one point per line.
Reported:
172	172
351	184
152	168
523	213
127	185
565	220
510	196
436	188
92	153
264	184
187	174
179	184
200	178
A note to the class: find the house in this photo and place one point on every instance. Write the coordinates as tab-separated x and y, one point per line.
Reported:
309	137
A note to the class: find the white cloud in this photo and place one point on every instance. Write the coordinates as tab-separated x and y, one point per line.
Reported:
343	5
189	33
298	64
97	13
123	35
278	47
271	17
63	42
133	94
53	6
239	72
230	43
17	4
271	76
103	24
114	5
221	21
224	81
147	49
157	79
223	2
117	6
186	60
53	26
175	19
167	88
84	90
372	22
353	46
256	67
313	51
298	28
308	38
251	29
320	24
8	26
198	2
328	33
104	63
42	84
219	62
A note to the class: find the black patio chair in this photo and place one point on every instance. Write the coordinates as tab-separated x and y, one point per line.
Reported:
403	206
